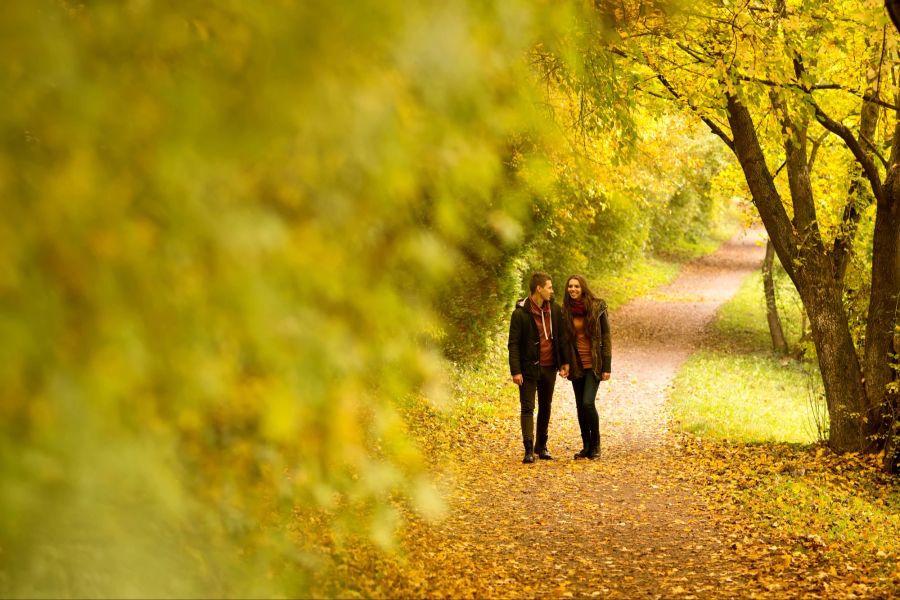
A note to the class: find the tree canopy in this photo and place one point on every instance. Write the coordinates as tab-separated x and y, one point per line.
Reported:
803	94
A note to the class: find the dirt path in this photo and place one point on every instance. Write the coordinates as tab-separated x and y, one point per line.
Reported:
628	525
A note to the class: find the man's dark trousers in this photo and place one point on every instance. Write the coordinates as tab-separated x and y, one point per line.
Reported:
543	386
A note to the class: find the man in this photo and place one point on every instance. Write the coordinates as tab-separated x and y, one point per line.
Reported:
536	352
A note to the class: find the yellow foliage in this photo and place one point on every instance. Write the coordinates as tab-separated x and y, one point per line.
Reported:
227	230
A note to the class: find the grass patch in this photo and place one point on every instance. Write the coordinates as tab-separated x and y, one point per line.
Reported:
750	398
742	320
639	279
485	392
736	389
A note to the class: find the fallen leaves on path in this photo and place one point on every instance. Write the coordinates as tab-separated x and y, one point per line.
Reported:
807	522
710	523
658	516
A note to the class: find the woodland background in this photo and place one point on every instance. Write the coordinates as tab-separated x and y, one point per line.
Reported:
244	242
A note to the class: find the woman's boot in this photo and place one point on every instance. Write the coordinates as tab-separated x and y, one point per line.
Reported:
529	452
594	451
585	446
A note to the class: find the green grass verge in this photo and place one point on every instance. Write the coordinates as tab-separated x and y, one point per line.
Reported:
637	280
742	320
751	398
737	390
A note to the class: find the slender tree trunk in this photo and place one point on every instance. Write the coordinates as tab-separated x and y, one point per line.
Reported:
859	195
779	344
890	409
884	302
801	253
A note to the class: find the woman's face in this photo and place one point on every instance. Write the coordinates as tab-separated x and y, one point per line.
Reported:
574	289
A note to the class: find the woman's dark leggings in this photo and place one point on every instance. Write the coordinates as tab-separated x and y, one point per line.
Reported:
588	420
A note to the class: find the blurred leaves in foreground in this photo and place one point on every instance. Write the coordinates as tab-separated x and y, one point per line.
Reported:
227	228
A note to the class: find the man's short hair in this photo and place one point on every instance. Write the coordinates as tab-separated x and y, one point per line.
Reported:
539	279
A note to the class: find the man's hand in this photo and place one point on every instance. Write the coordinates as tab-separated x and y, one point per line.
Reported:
604	376
564	371
518	379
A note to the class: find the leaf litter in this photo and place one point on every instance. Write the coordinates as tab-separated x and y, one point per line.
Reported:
660	515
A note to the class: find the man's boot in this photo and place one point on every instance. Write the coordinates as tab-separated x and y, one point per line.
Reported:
528	437
529	452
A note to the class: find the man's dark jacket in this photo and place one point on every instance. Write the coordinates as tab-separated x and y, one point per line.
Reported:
525	342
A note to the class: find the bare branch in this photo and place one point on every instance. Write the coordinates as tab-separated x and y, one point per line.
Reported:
778	170
693	53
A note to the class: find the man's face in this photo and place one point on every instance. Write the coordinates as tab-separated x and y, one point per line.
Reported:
546	290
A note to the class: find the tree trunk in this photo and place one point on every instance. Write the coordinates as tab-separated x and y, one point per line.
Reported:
804	258
890	410
839	365
779	344
859	195
884	314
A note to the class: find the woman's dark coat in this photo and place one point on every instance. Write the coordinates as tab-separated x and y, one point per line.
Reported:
597	327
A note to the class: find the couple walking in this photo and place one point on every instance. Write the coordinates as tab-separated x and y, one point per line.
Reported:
573	341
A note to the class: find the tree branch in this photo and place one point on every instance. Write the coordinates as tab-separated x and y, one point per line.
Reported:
868	97
713	126
815	149
709	122
843	132
871	145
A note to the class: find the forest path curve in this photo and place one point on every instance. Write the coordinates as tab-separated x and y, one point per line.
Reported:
629	525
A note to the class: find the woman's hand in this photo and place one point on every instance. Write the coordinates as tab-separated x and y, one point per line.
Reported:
604	376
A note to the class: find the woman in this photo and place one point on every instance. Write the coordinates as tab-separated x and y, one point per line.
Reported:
590	354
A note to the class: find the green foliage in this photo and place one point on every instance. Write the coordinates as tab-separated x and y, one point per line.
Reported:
609	210
743	319
633	280
232	232
766	399
769	399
